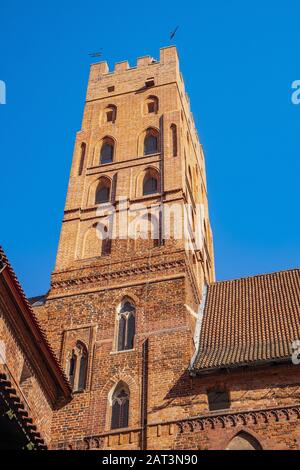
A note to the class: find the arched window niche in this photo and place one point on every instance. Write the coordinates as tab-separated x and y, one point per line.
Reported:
103	191
151	182
120	406
107	151
77	367
151	142
126	325
97	241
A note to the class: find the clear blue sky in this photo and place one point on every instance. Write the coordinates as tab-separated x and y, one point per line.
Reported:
238	59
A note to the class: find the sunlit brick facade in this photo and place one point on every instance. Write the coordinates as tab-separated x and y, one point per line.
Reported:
138	146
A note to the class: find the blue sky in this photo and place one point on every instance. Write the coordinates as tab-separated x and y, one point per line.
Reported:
238	60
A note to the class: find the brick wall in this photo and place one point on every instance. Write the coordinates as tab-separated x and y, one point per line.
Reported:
164	283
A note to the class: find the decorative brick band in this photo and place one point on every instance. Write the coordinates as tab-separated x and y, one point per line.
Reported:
243	418
196	424
145	269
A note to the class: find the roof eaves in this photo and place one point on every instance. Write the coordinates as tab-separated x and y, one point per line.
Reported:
57	371
197	334
230	367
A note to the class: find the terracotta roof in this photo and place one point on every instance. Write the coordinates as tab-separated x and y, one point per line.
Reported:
39	336
249	320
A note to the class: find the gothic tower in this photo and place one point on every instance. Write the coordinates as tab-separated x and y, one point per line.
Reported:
135	252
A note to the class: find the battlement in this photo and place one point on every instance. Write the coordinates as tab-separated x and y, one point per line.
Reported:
148	71
167	55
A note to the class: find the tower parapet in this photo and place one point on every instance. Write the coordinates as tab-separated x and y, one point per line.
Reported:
104	83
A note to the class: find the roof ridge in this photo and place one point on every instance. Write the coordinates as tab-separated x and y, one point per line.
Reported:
253	277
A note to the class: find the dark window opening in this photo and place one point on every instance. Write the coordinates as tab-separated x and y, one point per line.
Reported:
174	139
126	327
150	185
82	372
120	410
110	115
149	82
72	368
106	247
107	152
78	367
151	107
103	191
218	400
150	144
102	195
82	157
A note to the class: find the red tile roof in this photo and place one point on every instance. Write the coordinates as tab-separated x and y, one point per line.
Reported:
249	320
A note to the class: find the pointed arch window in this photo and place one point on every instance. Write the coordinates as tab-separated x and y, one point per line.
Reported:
151	142
120	407
126	327
103	191
107	151
77	367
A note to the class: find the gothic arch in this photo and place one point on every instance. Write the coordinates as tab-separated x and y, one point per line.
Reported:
128	295
91	197
107	392
151	170
143	135
103	190
244	441
116	386
77	366
98	146
120	406
93	245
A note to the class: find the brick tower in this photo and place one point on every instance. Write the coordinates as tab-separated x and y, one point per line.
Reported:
130	269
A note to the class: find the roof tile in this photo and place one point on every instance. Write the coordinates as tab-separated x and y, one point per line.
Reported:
250	320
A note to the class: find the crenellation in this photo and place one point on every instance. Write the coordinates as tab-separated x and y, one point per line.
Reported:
144	61
121	66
